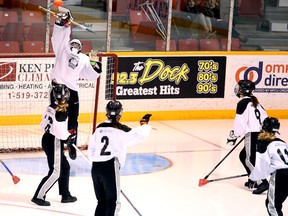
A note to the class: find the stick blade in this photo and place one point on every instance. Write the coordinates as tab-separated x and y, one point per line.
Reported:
202	182
15	179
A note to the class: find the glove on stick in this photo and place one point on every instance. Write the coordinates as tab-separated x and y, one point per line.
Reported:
231	140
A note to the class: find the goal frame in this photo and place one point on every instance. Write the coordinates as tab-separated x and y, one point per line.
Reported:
101	56
21	127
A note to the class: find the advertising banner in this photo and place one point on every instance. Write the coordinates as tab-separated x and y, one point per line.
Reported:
25	86
268	76
171	77
161	83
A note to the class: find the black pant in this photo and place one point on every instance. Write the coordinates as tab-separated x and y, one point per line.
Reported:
59	168
73	109
247	155
278	192
105	176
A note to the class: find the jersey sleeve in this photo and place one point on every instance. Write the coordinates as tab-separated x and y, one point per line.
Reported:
60	38
49	124
241	118
239	125
92	147
87	72
262	166
138	134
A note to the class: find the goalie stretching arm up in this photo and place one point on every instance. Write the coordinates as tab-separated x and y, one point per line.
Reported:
71	65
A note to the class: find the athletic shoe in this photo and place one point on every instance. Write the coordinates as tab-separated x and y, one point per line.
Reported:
262	187
68	199
40	202
250	182
72	152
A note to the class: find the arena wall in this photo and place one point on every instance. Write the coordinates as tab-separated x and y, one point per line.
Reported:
171	85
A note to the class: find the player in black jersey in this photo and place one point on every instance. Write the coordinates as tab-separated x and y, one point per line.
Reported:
107	150
272	159
248	120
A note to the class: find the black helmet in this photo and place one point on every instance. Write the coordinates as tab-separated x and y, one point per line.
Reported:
271	125
61	93
114	110
244	87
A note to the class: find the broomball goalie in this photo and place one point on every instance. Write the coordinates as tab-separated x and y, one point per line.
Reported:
70	66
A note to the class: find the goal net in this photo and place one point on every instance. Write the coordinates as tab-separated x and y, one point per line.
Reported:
24	90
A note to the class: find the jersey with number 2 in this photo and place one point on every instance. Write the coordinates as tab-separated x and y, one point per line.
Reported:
109	141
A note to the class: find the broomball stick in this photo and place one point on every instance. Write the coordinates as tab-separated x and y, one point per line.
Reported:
203	181
72	21
14	178
128	200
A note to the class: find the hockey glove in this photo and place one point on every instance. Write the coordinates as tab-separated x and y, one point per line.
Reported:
231	140
63	19
72	138
145	119
93	55
94	61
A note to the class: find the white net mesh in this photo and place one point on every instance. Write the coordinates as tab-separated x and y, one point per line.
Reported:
24	90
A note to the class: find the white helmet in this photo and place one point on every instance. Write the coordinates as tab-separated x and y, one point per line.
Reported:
75	43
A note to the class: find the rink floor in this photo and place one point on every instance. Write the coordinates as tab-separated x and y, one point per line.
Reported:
188	150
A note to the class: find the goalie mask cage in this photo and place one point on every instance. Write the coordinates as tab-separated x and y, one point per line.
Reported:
23	101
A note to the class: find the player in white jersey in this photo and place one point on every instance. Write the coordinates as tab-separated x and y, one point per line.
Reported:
272	160
248	120
70	65
54	125
107	150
